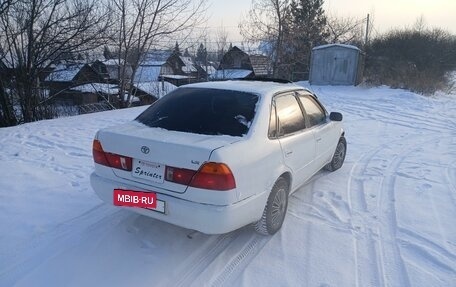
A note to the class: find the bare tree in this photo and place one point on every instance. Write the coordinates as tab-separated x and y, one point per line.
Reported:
141	23
420	24
7	116
265	24
345	30
4	4
34	34
221	41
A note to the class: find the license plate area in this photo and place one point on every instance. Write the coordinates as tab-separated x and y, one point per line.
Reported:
132	198
150	171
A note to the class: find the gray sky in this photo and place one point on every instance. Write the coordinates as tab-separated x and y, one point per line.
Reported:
387	14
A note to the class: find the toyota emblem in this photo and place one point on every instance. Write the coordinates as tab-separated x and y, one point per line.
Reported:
145	149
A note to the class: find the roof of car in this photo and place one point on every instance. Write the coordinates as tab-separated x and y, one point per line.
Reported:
255	87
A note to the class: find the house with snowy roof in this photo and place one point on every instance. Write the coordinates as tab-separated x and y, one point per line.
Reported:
209	68
154	65
149	82
236	64
186	70
111	70
71	74
192	69
164	65
65	77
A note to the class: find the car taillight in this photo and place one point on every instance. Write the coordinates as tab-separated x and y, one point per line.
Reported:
99	154
110	159
211	175
179	175
216	176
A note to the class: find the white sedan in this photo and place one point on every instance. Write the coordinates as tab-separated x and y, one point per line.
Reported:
216	156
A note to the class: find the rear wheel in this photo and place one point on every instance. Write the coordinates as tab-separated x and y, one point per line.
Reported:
275	210
339	155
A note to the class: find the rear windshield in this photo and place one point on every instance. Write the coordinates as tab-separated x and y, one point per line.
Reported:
202	111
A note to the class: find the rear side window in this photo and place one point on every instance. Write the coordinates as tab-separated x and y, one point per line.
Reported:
289	114
314	112
203	111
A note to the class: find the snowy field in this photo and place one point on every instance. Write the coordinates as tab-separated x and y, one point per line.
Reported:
387	218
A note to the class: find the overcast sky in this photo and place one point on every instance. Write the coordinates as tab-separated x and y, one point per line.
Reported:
387	14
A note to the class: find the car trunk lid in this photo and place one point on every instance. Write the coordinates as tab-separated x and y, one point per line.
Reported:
154	149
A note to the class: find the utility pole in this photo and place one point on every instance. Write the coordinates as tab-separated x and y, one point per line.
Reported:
367	31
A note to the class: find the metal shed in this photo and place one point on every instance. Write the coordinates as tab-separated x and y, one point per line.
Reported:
336	64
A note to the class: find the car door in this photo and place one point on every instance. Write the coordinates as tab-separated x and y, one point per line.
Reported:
326	135
296	141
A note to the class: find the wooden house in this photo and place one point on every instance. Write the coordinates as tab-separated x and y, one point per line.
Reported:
61	81
154	65
236	64
110	70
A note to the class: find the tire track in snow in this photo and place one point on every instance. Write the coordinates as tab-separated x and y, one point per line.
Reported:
388	248
241	260
364	238
62	237
392	258
405	116
437	259
239	248
404	121
377	109
394	270
450	180
364	242
220	262
188	272
372	270
409	235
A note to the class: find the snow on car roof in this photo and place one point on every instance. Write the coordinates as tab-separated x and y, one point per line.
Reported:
254	87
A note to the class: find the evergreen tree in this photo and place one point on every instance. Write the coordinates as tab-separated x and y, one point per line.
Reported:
266	22
176	50
186	53
201	54
306	29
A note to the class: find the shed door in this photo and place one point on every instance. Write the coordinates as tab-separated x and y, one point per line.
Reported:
343	67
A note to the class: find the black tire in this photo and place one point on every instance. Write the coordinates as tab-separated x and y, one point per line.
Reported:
275	210
339	155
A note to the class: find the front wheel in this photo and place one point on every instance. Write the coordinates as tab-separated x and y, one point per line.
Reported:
275	210
339	155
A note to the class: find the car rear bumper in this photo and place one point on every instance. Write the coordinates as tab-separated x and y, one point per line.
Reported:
206	218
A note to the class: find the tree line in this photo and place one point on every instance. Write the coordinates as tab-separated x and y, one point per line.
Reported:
35	34
416	58
289	29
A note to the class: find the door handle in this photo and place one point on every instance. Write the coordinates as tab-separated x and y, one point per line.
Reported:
288	152
318	139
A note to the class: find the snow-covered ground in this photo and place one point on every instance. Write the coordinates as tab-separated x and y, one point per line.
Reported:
387	218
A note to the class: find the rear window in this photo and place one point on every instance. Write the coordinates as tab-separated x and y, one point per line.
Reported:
202	111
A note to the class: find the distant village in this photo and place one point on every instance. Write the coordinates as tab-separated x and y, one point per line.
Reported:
99	82
82	86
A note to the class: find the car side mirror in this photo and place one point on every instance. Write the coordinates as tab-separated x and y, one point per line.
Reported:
335	116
